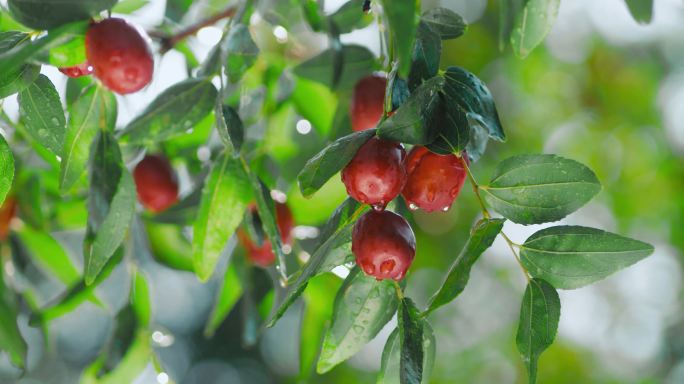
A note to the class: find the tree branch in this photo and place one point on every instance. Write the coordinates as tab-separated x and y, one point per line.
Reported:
170	41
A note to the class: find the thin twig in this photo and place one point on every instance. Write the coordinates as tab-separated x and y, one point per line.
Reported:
170	41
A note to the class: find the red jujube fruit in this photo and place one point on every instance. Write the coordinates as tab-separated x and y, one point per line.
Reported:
434	181
119	55
262	254
368	102
7	212
77	70
376	174
156	183
384	245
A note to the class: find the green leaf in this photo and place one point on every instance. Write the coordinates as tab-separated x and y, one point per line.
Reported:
467	93
426	54
42	114
411	350
641	10
477	142
312	14
11	340
333	249
532	25
390	369
13	80
6	169
229	126
94	110
173	112
129	6
445	22
350	16
111	204
481	237
331	160
47	253
362	307
31	199
401	15
169	246
228	296
411	123
533	189
48	14
140	299
69	54
321	114
570	257
358	62
242	52
539	315
267	215
397	87
133	363
224	199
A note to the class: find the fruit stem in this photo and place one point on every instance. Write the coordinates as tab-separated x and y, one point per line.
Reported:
476	189
400	293
169	41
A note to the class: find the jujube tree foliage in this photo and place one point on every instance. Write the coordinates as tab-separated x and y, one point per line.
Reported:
403	138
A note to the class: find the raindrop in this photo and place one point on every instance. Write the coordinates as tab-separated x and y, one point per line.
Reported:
446	209
55	121
42	132
412	206
379	207
358	328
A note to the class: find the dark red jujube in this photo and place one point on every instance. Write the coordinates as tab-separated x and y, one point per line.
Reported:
368	102
262	255
434	181
77	70
156	183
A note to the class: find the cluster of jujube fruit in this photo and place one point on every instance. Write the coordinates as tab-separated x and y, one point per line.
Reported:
118	55
382	241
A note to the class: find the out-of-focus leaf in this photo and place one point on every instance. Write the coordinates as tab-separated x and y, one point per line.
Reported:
481	237
571	257
6	169
129	6
48	14
31	199
224	199
173	112
228	296
135	360
69	54
111	204
411	343
533	189
532	25
241	50
362	307
426	54
350	16
14	79
94	110
169	247
229	126
445	22
47	253
320	114
43	116
641	10
402	25
11	340
539	316
333	249
312	14
140	298
358	62
390	367
411	123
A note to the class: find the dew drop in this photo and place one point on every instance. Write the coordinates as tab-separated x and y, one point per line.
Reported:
379	207
131	73
42	132
358	329
446	209
54	121
412	206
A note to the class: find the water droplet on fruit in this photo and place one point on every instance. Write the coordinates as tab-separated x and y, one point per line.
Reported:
454	191
369	268
379	207
446	209
412	206
131	73
387	266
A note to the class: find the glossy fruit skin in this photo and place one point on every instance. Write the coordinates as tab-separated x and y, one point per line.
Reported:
119	55
368	102
77	70
262	255
434	181
384	245
377	173
7	212
156	183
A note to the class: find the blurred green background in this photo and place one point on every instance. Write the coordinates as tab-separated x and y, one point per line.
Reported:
603	89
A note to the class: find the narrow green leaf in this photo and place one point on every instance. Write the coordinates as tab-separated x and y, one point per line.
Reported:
241	50
571	257
169	246
320	168
224	199
481	237
14	79
42	114
228	296
333	249
11	340
532	25
539	316
173	112
140	300
94	110
350	16
267	215
6	169
313	14
111	204
426	54
48	14
229	126
533	189
129	6
401	15
411	123
358	62
31	199
445	22
362	307
138	356
49	255
411	350
641	10
390	369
